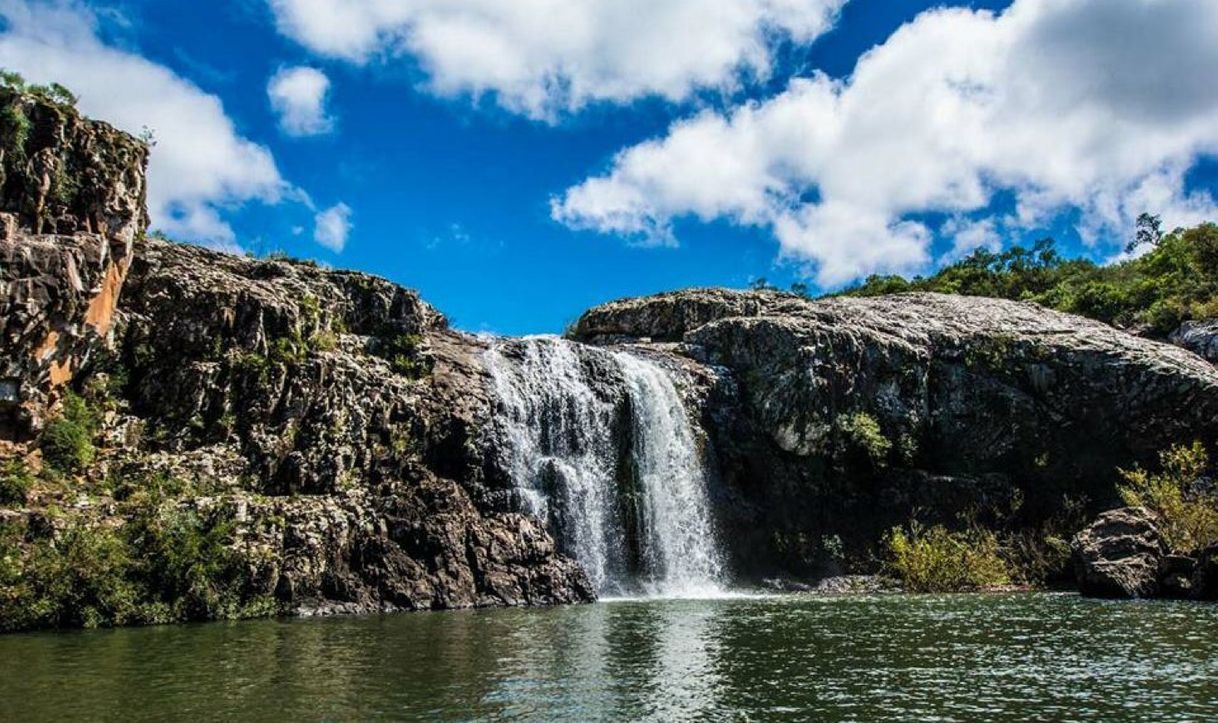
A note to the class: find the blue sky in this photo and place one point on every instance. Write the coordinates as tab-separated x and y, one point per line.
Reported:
515	199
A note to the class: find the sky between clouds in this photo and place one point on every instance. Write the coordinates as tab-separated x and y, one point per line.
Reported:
960	127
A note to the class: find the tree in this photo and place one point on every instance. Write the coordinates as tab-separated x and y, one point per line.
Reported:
1149	232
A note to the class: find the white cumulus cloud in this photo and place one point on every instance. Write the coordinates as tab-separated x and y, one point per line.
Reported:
200	165
332	227
298	96
544	57
1099	106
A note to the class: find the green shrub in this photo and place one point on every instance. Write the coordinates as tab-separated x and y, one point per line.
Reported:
187	562
863	432
404	352
67	440
165	564
15	481
1180	495
938	560
15	128
79	580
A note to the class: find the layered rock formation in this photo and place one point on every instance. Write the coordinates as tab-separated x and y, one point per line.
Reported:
840	417
1123	554
1120	555
328	419
72	205
352	451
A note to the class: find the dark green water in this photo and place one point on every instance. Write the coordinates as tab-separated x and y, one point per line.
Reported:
980	657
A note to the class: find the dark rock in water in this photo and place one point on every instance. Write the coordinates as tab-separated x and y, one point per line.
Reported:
1119	555
855	585
1176	576
1199	337
1205	575
778	584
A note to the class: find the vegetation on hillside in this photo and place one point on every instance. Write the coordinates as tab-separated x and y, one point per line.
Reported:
154	560
53	92
1176	280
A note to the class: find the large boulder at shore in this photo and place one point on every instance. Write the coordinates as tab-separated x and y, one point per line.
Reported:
1120	555
860	413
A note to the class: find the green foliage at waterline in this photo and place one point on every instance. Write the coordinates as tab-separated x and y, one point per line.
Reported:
1175	281
157	562
1182	494
936	559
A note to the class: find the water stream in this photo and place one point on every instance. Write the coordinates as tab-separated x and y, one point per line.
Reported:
599	443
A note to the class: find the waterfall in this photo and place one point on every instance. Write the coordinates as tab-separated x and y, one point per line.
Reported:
599	444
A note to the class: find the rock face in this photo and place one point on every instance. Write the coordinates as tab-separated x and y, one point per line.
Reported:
1120	555
71	207
351	447
1199	337
340	420
330	418
840	417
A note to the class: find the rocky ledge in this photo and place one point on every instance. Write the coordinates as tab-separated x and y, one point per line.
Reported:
838	418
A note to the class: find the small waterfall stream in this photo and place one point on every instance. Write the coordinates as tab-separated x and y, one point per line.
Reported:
599	444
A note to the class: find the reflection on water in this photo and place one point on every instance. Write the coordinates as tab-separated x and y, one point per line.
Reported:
1009	657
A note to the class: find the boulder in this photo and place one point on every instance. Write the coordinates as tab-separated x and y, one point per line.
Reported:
1205	575
1119	555
1199	337
1176	573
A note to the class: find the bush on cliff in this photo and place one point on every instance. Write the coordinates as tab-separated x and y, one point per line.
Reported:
15	481
1176	281
67	441
938	560
1181	494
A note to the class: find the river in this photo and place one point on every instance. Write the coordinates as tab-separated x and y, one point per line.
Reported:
947	658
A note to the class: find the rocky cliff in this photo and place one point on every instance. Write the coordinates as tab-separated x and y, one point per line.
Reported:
837	418
72	195
307	437
187	435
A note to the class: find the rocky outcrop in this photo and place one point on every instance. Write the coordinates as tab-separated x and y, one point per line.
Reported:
71	207
328	421
860	413
346	419
1204	584
1199	337
1120	555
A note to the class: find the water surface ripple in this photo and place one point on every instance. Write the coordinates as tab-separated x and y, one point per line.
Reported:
944	658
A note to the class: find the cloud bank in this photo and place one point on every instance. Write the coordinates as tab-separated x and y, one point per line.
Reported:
1091	105
544	57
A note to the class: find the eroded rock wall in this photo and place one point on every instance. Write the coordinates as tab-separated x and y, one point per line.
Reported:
839	418
72	205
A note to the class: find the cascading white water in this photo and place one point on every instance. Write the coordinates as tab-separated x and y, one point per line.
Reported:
677	534
637	519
